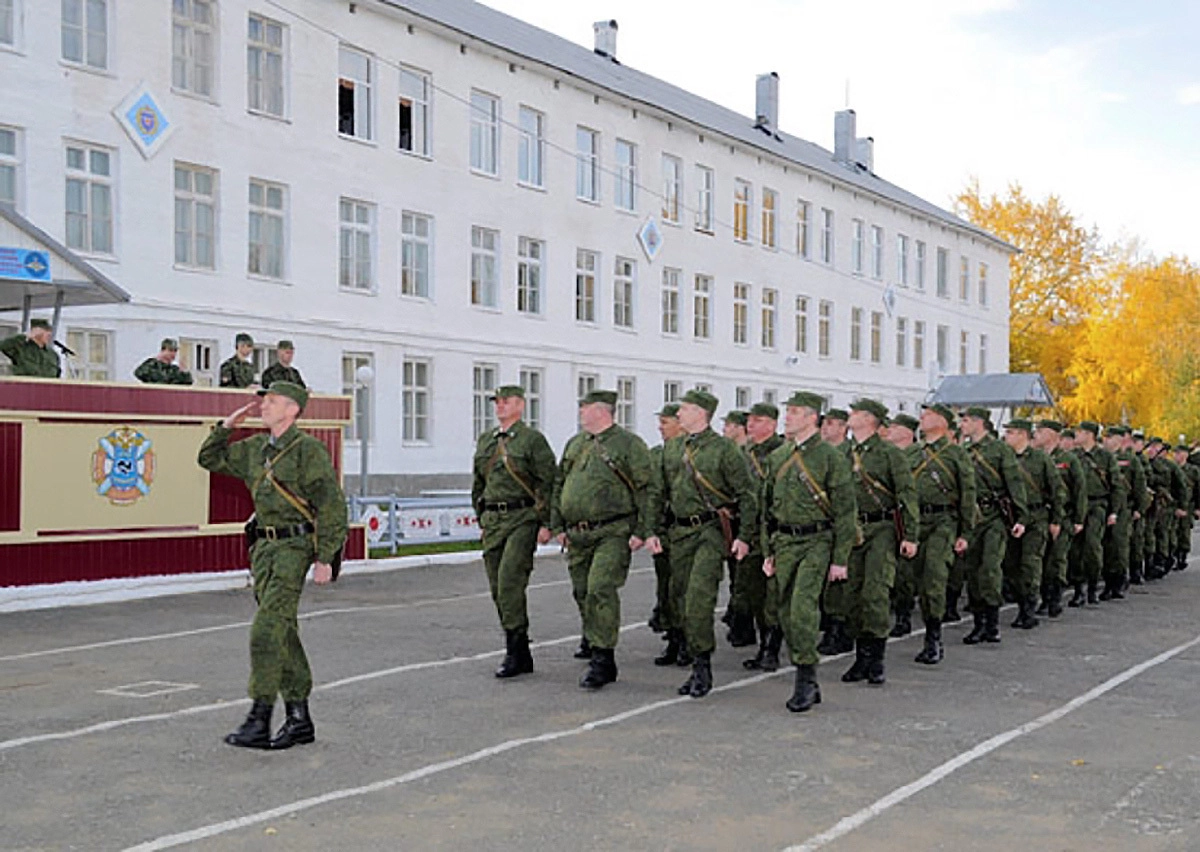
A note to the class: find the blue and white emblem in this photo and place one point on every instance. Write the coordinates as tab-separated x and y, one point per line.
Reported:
144	121
123	466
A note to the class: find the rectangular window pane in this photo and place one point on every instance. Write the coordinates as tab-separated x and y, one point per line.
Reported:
416	236
483	410
586	265
801	324
741	312
195	217
355	238
264	66
266	239
587	164
672	188
670	301
485	133
531	147
701	302
529	275
485	245
624	280
704	200
414	112
742	193
355	80
626	175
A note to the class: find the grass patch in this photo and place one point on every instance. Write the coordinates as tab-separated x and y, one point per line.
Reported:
424	548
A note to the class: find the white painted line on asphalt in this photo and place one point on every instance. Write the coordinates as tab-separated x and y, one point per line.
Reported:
856	820
147	688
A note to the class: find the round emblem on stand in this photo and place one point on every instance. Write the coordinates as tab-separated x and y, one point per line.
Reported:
123	466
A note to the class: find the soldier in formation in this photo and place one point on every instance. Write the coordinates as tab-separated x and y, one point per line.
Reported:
282	369
162	369
237	371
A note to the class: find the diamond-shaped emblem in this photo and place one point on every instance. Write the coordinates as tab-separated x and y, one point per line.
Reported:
651	238
144	121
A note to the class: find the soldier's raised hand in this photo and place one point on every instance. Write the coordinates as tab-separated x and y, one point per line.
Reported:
234	420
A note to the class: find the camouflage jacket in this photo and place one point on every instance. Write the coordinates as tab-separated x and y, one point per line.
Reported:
155	372
719	461
602	477
29	359
236	373
809	483
280	373
513	465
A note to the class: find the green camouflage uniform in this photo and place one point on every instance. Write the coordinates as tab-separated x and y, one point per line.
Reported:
945	483
1183	526
1047	500
662	561
599	502
755	591
29	359
998	479
301	464
697	545
513	478
155	372
279	373
1118	537
1139	502
883	483
808	525
1070	470
236	373
1106	496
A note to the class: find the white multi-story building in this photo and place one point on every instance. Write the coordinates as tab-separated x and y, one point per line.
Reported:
461	200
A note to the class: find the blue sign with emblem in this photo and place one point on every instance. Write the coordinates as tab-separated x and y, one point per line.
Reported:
146	120
24	264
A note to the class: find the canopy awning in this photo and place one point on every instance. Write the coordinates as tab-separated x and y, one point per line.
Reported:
994	390
37	271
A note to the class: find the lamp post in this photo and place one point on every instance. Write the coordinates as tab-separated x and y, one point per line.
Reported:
363	376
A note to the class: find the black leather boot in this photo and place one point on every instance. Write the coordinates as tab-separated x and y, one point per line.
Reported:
770	661
700	683
1092	592
1113	587
1031	620
655	623
903	625
755	663
297	728
685	655
862	659
952	616
991	624
585	649
1054	606
1025	619
875	674
933	652
1078	598
976	634
601	670
1181	559
1135	572
1043	608
741	631
255	732
806	692
835	640
670	654
517	659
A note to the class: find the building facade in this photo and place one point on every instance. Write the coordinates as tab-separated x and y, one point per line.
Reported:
459	200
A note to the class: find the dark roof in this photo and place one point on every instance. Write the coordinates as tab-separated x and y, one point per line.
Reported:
994	390
510	34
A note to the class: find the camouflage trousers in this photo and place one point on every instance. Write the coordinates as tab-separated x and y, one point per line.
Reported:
1057	557
866	594
1116	548
278	664
756	593
598	562
1183	534
662	583
931	566
985	561
509	541
1025	556
801	566
1090	544
697	566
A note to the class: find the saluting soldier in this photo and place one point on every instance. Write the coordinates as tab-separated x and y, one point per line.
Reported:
758	597
237	371
1000	494
889	517
660	620
1106	495
1186	515
162	369
514	471
1117	539
282	370
1047	438
299	520
945	482
31	354
704	482
598	513
1047	499
902	433
808	529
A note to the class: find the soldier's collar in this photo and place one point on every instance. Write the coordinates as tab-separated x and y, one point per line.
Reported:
810	440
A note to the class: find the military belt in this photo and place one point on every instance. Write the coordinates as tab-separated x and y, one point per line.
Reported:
281	532
802	529
509	505
584	526
935	510
1097	498
697	520
873	517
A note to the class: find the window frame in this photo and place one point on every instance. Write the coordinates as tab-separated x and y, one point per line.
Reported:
484	381
86	32
706	185
528	377
876	337
587	165
416	426
484	129
410	244
358	393
669	303
769	319
422	106
624	293
259	89
702	306
741	313
743	200
194	199
858	236
479	254
800	314
531	148
357	229
359	110
901	341
13	162
80	340
530	271
804	229
856	328
672	171
587	286
828	246
625	176
770	217
91	181
825	317
192	30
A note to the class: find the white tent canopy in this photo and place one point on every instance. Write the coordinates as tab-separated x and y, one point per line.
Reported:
994	390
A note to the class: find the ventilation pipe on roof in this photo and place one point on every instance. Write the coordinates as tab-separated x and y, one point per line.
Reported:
844	126
865	152
606	38
766	102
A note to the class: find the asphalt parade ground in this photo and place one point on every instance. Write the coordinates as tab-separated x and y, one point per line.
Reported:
1083	734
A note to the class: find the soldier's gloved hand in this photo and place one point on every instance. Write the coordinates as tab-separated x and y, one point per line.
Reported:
1018	530
322	573
908	549
739	549
654	545
838	573
769	566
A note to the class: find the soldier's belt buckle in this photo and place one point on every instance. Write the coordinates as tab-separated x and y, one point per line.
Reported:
269	533
583	526
695	520
502	508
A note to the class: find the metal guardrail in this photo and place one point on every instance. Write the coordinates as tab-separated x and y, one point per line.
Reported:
434	516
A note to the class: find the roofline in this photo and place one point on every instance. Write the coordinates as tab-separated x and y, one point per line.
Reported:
94	275
958	224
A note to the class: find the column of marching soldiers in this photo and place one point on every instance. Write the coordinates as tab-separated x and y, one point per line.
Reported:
842	524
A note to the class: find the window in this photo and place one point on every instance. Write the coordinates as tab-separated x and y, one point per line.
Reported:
529	275
902	260
264	66
415	112
586	383
92	354
267	231
587	164
943	272
877	252
416	396
964	342
195	217
769	396
741	312
624	277
856	317
626	393
919	266
824	327
672	188
826	236
803	238
742	194
531	380
741	398
770	202
626	177
857	247
531	147
770	307
671	392
8	22
983	353
89	199
876	337
670	301
704	199
485	133
262	356
901	341
586	264
10	164
85	32
359	393
193	26
943	347
198	357
701	300
356	224
983	284
919	344
416	237
964	279
485	247
703	386
483	412
354	93
802	324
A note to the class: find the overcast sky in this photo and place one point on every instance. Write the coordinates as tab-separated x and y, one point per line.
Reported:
1095	100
